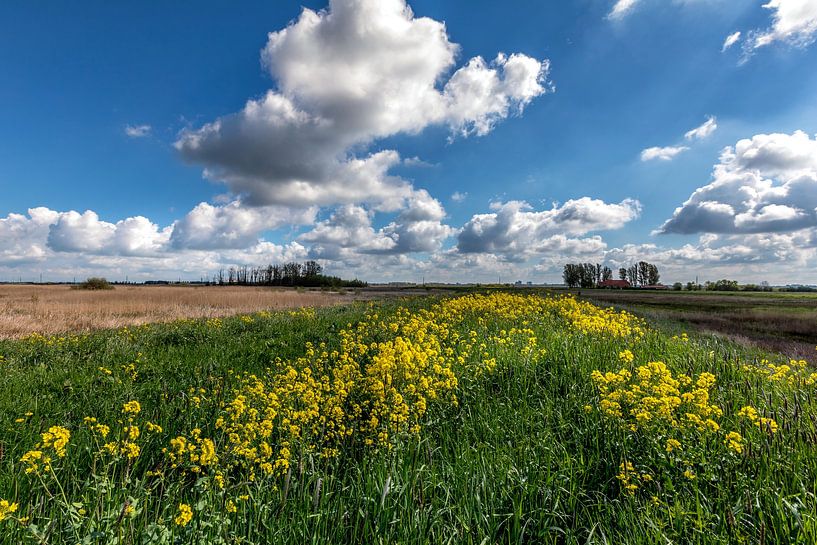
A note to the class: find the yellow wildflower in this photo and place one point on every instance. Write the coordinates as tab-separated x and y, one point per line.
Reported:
184	515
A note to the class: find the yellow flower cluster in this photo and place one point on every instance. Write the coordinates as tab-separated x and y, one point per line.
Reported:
184	515
653	397
6	509
591	319
54	442
38	340
734	441
631	479
198	451
794	372
765	424
626	356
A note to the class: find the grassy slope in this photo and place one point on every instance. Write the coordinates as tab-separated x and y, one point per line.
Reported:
518	461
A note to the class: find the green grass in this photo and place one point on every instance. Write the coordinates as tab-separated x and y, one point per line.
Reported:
519	460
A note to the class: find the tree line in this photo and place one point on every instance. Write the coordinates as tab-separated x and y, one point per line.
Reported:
307	274
590	275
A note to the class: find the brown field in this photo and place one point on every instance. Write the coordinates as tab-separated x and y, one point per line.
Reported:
52	309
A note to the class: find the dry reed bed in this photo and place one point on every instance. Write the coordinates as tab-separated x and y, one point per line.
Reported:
48	310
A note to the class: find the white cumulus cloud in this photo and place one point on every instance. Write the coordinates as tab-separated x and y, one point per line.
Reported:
516	231
793	21
345	77
763	184
209	227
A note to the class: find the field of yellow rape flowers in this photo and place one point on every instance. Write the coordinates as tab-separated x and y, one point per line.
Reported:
481	418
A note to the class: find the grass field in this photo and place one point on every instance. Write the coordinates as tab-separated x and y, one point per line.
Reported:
777	321
505	418
53	309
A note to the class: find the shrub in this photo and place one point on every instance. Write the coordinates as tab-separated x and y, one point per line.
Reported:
94	283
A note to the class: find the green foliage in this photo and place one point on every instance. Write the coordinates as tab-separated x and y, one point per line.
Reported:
520	459
94	283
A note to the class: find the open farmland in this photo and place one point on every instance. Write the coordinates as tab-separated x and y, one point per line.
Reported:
503	418
52	309
777	321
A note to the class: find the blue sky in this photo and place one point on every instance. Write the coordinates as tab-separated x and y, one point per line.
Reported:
103	108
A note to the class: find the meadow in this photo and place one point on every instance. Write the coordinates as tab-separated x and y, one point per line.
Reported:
54	309
498	418
777	321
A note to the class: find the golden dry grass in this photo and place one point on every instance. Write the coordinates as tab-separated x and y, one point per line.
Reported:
26	309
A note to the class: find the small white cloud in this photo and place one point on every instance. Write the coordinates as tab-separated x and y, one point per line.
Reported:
664	154
730	40
698	133
417	162
137	131
459	197
621	9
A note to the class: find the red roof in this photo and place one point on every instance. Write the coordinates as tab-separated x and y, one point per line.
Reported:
614	284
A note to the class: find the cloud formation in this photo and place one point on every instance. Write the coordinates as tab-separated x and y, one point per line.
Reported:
664	154
515	231
233	226
137	131
86	233
793	22
731	40
348	231
764	184
668	153
707	128
621	9
346	77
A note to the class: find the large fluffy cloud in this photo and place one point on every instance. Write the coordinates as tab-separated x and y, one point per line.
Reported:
75	232
345	77
23	238
233	226
517	232
764	184
349	232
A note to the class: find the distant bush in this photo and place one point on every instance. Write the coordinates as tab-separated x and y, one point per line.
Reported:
94	283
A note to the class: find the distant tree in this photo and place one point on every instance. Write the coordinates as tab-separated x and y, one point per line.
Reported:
652	274
677	286
312	268
585	275
571	275
308	274
722	285
632	275
622	273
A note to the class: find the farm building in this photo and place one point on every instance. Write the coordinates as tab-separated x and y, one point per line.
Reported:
620	284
